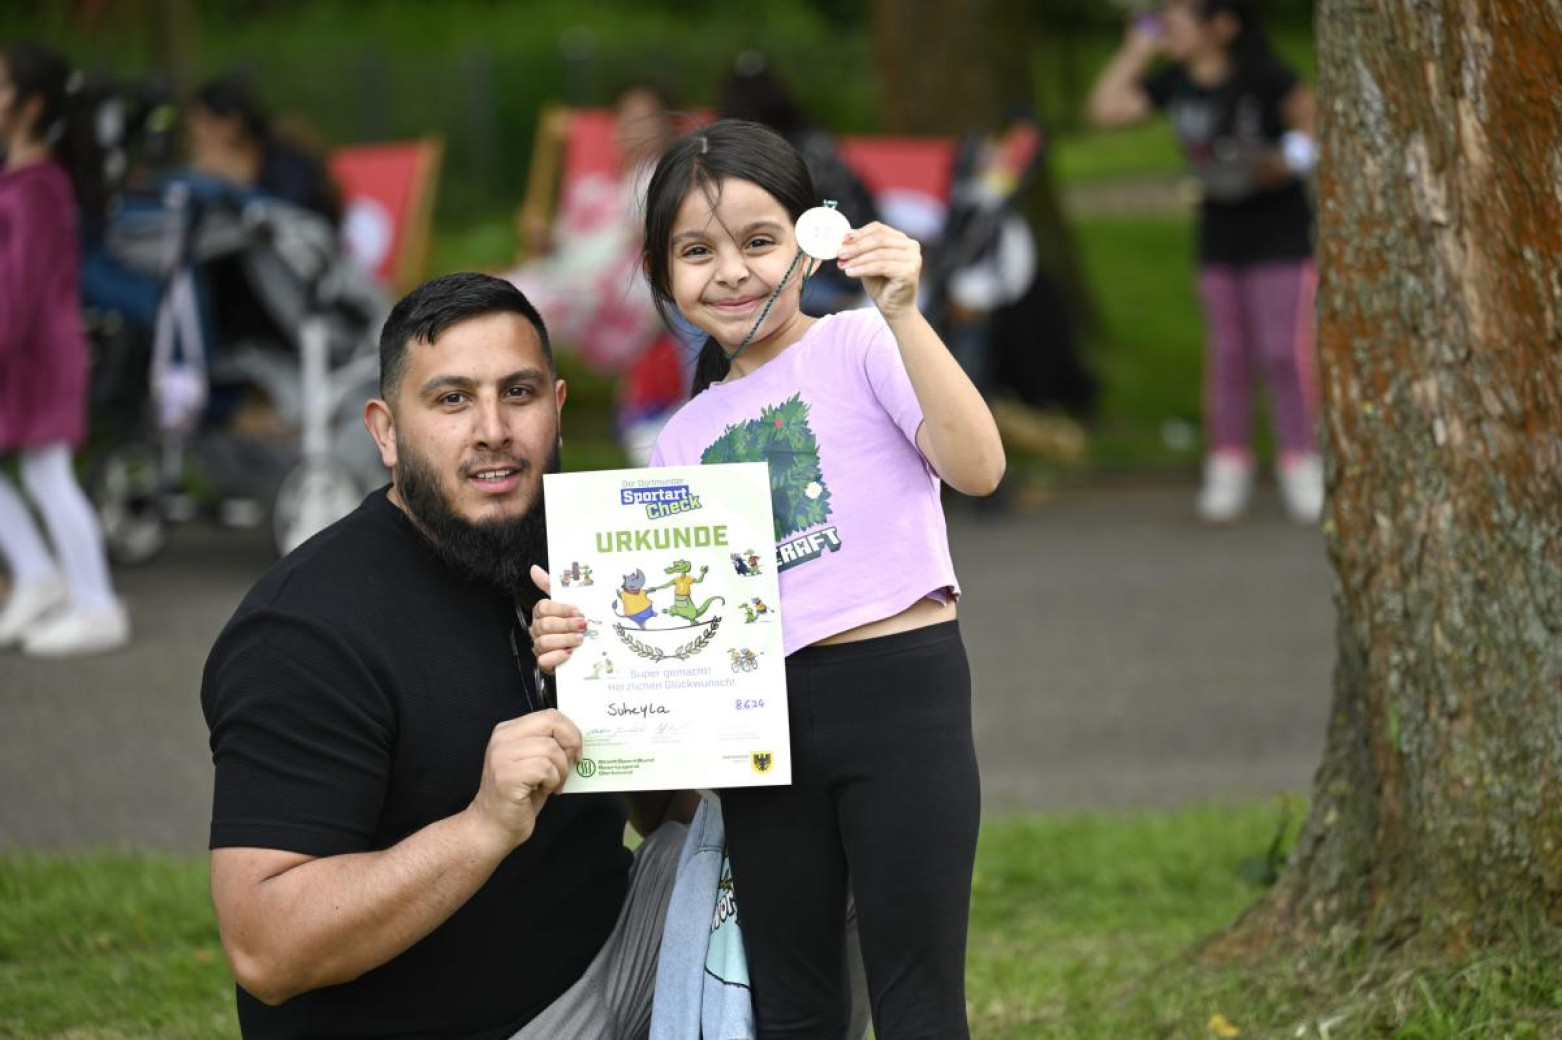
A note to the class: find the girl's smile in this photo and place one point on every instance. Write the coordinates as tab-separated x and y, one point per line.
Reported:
739	306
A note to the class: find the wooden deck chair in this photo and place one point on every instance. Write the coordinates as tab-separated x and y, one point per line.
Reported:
388	205
909	177
571	143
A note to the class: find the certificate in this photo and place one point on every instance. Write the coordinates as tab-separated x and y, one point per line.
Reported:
681	680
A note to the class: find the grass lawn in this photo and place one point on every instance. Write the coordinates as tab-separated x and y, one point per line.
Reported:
1079	930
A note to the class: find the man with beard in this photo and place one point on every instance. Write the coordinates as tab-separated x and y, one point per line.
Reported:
387	854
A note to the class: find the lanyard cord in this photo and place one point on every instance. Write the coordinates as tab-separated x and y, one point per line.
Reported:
791	269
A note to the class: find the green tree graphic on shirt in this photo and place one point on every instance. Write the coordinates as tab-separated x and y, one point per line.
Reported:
782	437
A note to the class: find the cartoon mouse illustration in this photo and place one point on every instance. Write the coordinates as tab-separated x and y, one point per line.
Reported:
634	602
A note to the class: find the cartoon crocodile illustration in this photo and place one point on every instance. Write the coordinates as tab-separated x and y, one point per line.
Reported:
634	600
753	613
683	604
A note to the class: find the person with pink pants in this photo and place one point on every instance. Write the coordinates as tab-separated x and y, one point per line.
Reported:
1246	124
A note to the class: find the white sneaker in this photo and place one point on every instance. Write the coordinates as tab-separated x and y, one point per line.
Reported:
79	631
1301	487
1228	483
30	603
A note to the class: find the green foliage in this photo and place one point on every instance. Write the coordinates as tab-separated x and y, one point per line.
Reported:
477	73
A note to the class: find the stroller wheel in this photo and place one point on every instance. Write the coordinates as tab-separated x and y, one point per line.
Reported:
125	484
315	494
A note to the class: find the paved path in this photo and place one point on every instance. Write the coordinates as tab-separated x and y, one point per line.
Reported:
1123	655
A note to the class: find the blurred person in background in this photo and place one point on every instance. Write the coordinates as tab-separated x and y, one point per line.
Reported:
1002	316
232	138
234	152
1246	125
753	91
61	602
586	281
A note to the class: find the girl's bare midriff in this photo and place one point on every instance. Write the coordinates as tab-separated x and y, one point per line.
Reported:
921	614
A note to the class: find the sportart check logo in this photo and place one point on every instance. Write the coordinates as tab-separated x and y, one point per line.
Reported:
586	767
669	500
761	761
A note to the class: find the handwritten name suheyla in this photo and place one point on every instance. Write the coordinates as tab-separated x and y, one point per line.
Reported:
642	710
649	538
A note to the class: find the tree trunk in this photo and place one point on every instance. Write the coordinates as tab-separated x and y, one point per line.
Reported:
1438	807
954	68
175	29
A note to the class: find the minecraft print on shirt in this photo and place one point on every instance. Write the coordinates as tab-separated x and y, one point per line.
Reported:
799	497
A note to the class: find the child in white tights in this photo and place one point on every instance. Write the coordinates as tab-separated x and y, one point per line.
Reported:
61	603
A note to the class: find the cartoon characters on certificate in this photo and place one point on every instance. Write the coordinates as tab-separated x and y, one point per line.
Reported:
575	574
746	564
681	584
656	630
601	669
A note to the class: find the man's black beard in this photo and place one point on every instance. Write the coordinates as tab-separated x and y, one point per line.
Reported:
498	552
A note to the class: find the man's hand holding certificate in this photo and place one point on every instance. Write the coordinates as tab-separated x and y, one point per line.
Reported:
680	681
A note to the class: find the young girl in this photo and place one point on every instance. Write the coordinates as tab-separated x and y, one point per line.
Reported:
61	603
1246	125
859	415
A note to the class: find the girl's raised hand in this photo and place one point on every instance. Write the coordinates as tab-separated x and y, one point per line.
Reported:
889	262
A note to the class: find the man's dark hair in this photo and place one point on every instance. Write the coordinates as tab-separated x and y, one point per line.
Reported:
427	311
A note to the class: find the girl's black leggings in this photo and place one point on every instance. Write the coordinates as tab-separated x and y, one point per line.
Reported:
885	802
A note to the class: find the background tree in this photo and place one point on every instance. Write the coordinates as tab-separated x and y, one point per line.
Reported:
1438	806
956	68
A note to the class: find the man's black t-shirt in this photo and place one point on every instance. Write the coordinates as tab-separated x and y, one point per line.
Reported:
350	701
1241	115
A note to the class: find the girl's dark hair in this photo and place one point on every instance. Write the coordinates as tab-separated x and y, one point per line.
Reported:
231	95
701	161
64	118
1250	49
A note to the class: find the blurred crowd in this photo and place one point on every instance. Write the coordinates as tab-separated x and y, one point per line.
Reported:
176	266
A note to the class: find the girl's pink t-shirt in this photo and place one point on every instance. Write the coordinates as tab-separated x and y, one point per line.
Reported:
859	527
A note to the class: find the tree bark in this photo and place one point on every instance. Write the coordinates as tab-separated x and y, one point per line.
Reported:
175	29
1437	809
954	68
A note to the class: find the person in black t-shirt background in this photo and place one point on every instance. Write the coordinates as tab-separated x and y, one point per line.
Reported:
388	858
1246	125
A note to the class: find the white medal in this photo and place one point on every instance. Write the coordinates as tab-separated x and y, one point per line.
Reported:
820	232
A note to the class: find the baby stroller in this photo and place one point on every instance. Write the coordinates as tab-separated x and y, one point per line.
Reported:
260	315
